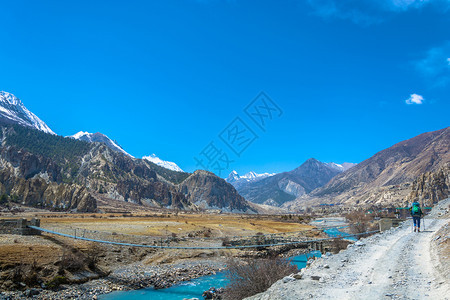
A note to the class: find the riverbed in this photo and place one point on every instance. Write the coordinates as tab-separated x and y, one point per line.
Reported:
193	288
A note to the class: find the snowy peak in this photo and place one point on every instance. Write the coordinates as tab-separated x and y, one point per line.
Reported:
99	138
13	110
163	163
252	175
234	176
81	134
341	167
237	180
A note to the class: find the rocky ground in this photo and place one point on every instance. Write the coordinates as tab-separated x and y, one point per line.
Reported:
52	267
43	266
396	264
128	277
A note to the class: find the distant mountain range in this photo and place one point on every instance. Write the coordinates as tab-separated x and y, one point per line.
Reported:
41	169
276	189
387	177
236	180
13	110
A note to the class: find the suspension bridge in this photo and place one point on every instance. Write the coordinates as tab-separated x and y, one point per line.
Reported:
298	239
313	243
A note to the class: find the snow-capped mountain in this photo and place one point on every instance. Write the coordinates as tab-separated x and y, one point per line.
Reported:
99	138
13	110
341	167
237	180
286	186
163	163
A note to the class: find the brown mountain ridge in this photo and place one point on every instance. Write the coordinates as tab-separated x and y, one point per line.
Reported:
386	177
49	171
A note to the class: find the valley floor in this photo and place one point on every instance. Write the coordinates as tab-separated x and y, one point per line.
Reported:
55	267
397	264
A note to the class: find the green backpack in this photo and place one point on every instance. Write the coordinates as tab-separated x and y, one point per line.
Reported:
416	209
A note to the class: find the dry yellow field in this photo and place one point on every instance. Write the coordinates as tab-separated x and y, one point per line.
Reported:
162	225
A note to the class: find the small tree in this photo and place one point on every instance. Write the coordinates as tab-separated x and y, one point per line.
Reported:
226	241
359	221
3	199
71	260
338	244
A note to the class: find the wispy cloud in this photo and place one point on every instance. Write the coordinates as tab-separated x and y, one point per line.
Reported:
406	4
435	65
414	99
366	12
344	9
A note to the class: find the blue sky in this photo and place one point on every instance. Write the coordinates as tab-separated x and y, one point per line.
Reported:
168	77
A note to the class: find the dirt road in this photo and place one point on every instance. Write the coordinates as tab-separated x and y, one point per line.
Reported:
398	264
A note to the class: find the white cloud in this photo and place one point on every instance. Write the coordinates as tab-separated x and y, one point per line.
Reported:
415	99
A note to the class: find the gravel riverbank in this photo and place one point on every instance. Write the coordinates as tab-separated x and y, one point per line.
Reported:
134	276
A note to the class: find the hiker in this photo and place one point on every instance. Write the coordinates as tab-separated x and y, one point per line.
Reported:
416	213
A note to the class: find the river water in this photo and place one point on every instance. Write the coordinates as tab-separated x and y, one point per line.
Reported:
193	288
334	232
196	287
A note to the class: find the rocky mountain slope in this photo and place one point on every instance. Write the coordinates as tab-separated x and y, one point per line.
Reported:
50	171
430	187
39	168
283	187
386	177
12	110
99	138
208	191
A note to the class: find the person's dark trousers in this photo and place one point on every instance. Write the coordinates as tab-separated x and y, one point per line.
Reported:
416	221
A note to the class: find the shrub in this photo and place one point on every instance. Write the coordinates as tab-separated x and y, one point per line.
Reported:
359	221
92	256
226	241
25	273
71	260
56	281
30	277
254	276
16	275
338	244
3	199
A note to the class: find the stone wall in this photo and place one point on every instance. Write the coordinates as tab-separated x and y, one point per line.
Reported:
388	223
19	226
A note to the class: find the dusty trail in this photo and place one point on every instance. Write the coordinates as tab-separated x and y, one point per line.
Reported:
398	264
401	267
